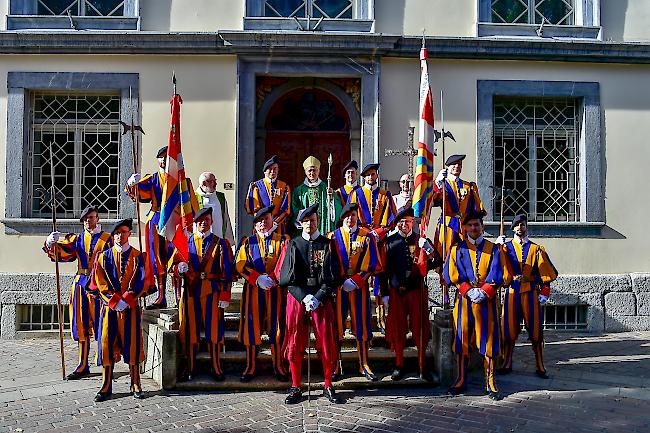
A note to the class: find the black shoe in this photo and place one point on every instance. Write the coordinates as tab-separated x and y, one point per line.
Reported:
495	395
295	395
453	390
426	376
281	377
331	396
138	395
245	378
541	374
398	374
336	377
370	376
75	375
504	370
218	377
101	396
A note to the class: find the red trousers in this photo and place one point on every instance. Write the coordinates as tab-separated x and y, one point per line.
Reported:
324	327
406	312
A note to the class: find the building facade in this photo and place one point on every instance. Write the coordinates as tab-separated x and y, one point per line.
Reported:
555	90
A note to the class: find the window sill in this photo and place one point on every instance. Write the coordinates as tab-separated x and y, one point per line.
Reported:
291	24
530	31
554	230
43	226
46	22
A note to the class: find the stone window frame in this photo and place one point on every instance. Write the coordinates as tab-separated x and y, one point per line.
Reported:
592	182
19	86
363	20
587	24
22	16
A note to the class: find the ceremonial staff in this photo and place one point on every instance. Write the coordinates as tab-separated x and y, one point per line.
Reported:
330	203
504	192
56	260
309	412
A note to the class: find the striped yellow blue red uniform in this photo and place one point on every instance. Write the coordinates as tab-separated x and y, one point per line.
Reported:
476	325
528	272
360	259
345	191
262	311
208	281
159	250
262	193
120	276
84	306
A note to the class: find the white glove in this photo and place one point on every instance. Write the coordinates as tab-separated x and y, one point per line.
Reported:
315	303
476	295
542	299
442	174
307	300
384	300
52	238
422	242
311	303
121	305
223	304
349	285
135	178
265	282
183	267
500	240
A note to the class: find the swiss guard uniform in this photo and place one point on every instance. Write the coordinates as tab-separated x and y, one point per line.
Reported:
359	256
528	272
207	280
376	212
119	277
159	250
474	268
408	296
307	194
461	197
344	192
264	192
263	304
84	305
311	270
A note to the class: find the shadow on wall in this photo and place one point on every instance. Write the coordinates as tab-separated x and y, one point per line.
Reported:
158	16
389	16
612	19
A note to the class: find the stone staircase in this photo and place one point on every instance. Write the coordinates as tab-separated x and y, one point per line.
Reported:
165	357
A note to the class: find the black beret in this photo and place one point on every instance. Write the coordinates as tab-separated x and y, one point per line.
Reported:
85	212
453	159
349	165
203	212
350	207
260	213
161	152
473	215
272	160
127	222
307	212
368	167
521	218
406	212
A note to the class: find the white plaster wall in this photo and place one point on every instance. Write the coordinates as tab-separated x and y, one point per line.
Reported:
191	15
436	17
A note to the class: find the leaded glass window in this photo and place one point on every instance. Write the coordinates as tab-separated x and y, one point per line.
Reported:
308	8
96	8
536	139
82	134
556	12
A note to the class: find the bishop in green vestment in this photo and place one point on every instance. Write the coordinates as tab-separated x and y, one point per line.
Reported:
314	190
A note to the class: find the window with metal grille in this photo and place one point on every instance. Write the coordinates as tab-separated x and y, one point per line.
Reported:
82	134
556	12
308	8
94	8
42	317
565	317
536	140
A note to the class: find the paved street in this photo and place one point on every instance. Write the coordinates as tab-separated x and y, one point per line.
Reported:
598	384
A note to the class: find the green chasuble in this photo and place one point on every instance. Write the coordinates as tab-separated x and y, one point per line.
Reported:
303	196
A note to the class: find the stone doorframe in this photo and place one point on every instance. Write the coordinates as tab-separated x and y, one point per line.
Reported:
248	68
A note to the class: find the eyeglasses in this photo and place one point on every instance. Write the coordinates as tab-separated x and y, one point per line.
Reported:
403	181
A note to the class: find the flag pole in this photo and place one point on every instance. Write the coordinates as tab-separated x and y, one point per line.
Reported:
445	289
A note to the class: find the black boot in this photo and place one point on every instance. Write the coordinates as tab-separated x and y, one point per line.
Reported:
101	396
495	395
427	376
398	374
245	378
295	395
331	396
453	390
138	395
370	376
218	377
75	375
541	374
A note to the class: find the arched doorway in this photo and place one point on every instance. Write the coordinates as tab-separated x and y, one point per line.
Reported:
304	122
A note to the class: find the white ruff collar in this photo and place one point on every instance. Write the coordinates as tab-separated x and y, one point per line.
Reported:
310	184
122	248
475	241
313	236
265	235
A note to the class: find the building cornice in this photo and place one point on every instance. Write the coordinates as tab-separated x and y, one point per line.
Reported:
320	44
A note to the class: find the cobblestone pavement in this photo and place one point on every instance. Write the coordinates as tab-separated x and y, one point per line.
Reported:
598	384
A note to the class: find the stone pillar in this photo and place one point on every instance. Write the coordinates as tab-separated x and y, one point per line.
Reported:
160	334
441	335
